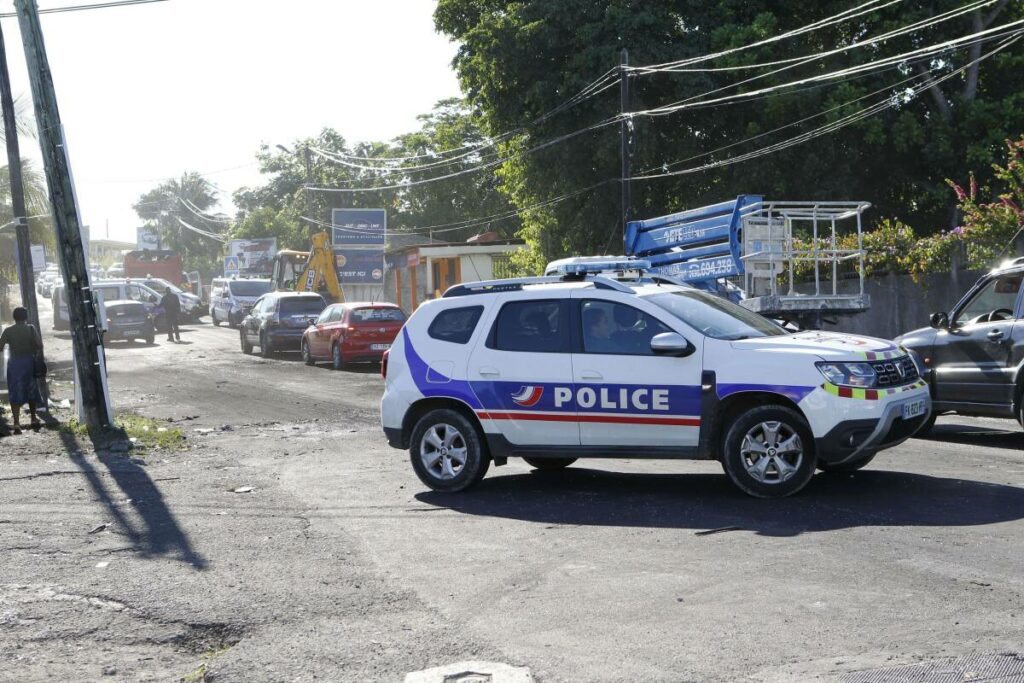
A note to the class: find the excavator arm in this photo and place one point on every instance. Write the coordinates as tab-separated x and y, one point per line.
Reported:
320	274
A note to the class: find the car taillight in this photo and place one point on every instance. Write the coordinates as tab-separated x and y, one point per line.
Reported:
384	364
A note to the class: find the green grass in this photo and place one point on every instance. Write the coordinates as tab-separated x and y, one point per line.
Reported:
147	432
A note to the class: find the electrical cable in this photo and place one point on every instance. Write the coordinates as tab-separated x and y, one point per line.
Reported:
204	233
96	5
839	123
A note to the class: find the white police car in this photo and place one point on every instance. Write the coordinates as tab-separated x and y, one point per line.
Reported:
556	368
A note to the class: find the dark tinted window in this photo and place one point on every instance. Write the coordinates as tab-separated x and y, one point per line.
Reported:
536	326
455	325
249	287
377	315
294	305
610	327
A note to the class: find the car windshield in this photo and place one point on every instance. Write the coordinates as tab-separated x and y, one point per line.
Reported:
714	316
249	287
377	315
301	305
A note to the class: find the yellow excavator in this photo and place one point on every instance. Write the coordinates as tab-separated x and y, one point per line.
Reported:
313	271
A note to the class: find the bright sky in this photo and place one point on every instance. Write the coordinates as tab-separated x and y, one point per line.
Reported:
147	92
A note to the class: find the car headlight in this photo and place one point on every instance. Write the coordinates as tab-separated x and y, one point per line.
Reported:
859	375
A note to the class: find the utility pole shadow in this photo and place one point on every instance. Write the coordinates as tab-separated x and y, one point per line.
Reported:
152	529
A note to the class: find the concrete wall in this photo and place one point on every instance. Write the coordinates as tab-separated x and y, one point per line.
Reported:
898	304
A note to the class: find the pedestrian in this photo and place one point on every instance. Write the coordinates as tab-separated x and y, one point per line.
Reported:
172	309
25	343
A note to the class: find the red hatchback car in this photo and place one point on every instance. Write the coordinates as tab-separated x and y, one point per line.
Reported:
352	332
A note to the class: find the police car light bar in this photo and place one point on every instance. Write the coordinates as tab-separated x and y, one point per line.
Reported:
595	266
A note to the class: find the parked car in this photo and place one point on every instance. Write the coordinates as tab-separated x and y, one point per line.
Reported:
277	321
109	290
191	305
115	271
128	320
974	353
231	299
351	333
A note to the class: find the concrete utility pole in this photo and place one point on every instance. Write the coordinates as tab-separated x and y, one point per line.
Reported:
26	276
85	329
625	131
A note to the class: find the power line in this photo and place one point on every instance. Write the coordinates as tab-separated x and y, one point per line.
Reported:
96	5
835	125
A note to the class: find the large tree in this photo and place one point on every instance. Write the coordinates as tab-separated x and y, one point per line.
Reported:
189	199
519	60
283	208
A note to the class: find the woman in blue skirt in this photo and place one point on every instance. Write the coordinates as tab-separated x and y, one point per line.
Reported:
21	381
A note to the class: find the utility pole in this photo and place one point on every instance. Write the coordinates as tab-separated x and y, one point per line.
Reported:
26	276
625	131
309	181
85	330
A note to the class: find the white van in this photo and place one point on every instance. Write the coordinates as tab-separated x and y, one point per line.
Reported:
231	299
107	290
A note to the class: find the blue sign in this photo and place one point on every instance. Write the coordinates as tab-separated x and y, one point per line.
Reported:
358	227
360	266
230	266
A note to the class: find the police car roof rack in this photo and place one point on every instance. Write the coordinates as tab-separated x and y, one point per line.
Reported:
517	284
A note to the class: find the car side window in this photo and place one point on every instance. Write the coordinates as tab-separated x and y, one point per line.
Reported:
538	326
135	293
325	315
257	306
336	314
108	293
995	301
616	328
455	325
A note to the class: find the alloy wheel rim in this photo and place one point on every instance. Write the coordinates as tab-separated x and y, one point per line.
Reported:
443	451
772	452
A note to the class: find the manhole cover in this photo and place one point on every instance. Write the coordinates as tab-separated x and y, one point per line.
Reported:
1003	668
472	672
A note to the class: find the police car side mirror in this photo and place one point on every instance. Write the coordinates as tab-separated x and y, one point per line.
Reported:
939	321
671	344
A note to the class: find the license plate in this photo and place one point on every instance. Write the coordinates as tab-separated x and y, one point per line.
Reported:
131	333
913	409
380	347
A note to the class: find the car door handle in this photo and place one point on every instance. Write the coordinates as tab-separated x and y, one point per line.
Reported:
590	374
488	371
995	335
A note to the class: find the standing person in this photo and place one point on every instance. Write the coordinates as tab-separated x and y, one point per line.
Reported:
172	309
25	342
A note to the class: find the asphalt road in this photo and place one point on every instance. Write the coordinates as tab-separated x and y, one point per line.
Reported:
341	565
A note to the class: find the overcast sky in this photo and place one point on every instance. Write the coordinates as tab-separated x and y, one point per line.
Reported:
149	91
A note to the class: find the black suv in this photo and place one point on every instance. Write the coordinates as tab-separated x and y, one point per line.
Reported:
973	354
277	321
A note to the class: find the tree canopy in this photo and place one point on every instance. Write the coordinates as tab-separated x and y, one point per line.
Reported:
519	60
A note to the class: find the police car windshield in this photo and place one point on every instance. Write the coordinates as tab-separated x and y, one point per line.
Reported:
714	316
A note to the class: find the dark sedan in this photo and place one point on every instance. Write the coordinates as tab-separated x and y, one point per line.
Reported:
128	320
973	355
277	321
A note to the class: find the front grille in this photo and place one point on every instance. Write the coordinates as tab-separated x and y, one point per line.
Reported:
895	372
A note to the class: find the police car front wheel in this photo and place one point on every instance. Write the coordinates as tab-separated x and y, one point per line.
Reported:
447	452
768	452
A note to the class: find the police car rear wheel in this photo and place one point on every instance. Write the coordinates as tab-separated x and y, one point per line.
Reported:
549	463
768	452
447	452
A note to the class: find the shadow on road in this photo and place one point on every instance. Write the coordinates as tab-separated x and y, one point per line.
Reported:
1012	437
708	501
158	534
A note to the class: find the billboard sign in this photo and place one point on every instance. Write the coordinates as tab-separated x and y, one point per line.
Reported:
147	238
358	227
254	257
359	266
